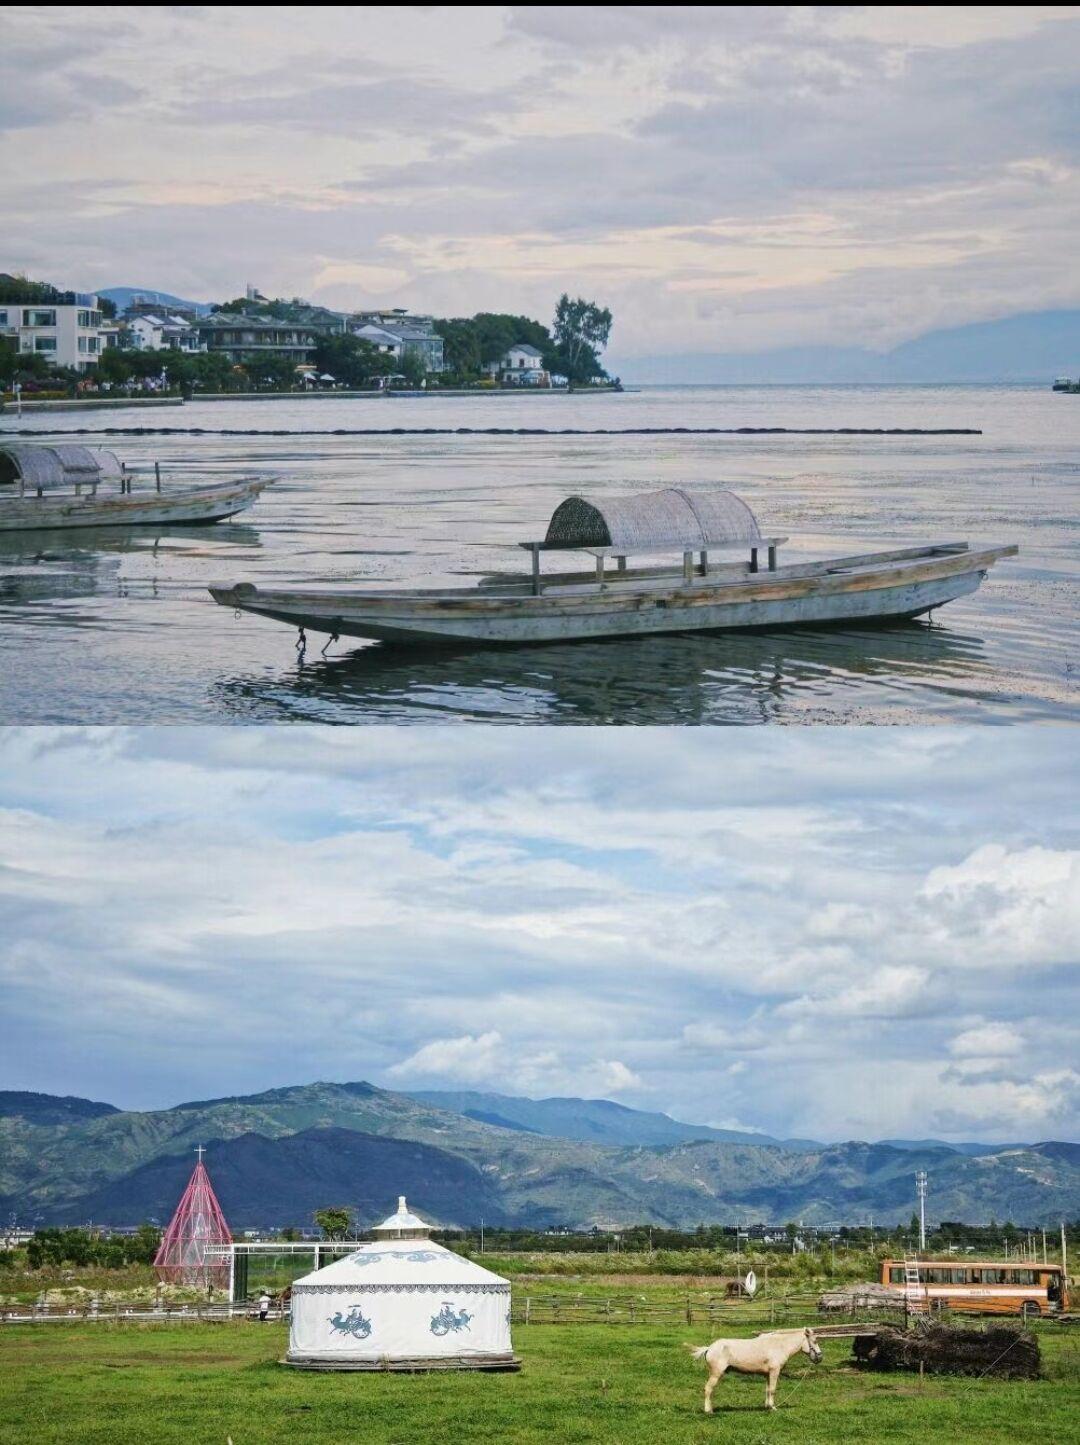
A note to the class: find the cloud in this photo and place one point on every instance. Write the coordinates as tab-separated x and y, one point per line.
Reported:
485	1059
987	1041
826	933
772	175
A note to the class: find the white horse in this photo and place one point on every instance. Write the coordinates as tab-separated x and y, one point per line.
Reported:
765	1354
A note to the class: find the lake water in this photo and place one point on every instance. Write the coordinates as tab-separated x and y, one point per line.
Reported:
117	626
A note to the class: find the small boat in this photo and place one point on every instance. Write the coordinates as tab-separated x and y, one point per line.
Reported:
700	595
47	486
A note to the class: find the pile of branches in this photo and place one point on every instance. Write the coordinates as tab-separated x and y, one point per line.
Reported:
1004	1352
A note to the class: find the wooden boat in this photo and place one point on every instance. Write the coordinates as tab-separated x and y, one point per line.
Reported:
701	595
46	486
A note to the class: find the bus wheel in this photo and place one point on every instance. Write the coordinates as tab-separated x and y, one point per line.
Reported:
1030	1309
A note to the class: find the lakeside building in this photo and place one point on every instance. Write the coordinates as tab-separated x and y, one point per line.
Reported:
69	331
242	337
398	334
521	365
148	331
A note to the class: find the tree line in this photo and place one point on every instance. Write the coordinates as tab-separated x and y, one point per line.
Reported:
570	347
57	1247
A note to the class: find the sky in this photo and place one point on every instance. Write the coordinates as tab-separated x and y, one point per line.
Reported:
725	178
829	933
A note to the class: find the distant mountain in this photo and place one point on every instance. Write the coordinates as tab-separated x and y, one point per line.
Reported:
973	1149
1034	346
276	1182
591	1121
124	295
50	1108
278	1155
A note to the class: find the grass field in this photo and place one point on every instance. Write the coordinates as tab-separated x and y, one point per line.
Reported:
631	1385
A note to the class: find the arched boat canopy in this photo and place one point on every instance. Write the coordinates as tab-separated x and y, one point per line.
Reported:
650	520
39	466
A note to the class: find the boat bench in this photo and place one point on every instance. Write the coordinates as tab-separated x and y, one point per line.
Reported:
701	568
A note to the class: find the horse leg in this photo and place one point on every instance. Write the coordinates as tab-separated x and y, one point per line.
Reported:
715	1376
770	1389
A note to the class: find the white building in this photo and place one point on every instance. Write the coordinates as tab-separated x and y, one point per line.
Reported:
401	1301
68	332
521	365
398	334
162	333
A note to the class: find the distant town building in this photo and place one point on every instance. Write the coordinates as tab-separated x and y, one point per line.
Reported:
240	336
398	334
66	332
150	332
521	365
155	304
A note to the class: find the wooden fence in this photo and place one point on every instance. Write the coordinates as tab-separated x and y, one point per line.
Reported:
779	1311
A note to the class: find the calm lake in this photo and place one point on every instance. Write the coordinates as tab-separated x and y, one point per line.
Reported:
117	626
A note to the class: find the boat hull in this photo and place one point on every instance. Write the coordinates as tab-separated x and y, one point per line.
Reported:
129	509
769	604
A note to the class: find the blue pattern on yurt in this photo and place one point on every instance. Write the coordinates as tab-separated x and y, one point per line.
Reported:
446	1320
353	1324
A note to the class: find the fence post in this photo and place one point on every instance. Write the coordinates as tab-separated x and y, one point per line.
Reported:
689	1310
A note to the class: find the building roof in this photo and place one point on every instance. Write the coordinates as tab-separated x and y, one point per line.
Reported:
409	1264
402	1222
402	1255
525	347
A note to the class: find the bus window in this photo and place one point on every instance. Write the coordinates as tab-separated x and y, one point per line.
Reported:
896	1275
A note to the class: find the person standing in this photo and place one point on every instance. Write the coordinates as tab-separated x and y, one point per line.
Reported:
264	1305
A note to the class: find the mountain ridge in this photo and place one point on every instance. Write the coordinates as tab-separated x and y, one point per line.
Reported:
1031	346
283	1147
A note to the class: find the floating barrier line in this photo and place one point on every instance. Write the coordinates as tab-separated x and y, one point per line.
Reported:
503	431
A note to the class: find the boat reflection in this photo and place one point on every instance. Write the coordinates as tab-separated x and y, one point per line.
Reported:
675	679
56	566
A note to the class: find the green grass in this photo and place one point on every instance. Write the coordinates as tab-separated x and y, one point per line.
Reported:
630	1385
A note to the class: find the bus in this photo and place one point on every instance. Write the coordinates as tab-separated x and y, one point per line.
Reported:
986	1286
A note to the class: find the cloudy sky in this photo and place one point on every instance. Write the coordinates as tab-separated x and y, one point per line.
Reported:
832	933
725	177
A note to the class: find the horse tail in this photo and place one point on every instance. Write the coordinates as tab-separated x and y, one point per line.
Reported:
697	1352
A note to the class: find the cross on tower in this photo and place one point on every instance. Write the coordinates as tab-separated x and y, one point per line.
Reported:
200	1151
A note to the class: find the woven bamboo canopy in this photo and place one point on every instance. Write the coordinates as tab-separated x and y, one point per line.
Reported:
38	465
650	520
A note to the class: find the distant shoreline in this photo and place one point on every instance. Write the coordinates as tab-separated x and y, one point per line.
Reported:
510	431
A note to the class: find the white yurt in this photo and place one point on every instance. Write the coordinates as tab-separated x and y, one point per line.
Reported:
401	1302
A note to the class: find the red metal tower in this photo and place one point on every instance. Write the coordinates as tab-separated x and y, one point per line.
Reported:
198	1222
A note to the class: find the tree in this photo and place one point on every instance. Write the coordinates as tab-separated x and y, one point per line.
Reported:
351	359
20	365
581	331
334	1222
461	346
413	368
278	373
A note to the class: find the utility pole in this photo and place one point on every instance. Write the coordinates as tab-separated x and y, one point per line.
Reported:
920	1190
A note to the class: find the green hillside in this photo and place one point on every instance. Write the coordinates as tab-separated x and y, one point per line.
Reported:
284	1148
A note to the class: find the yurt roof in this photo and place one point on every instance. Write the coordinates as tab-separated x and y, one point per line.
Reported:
46	465
651	520
400	1264
403	1222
